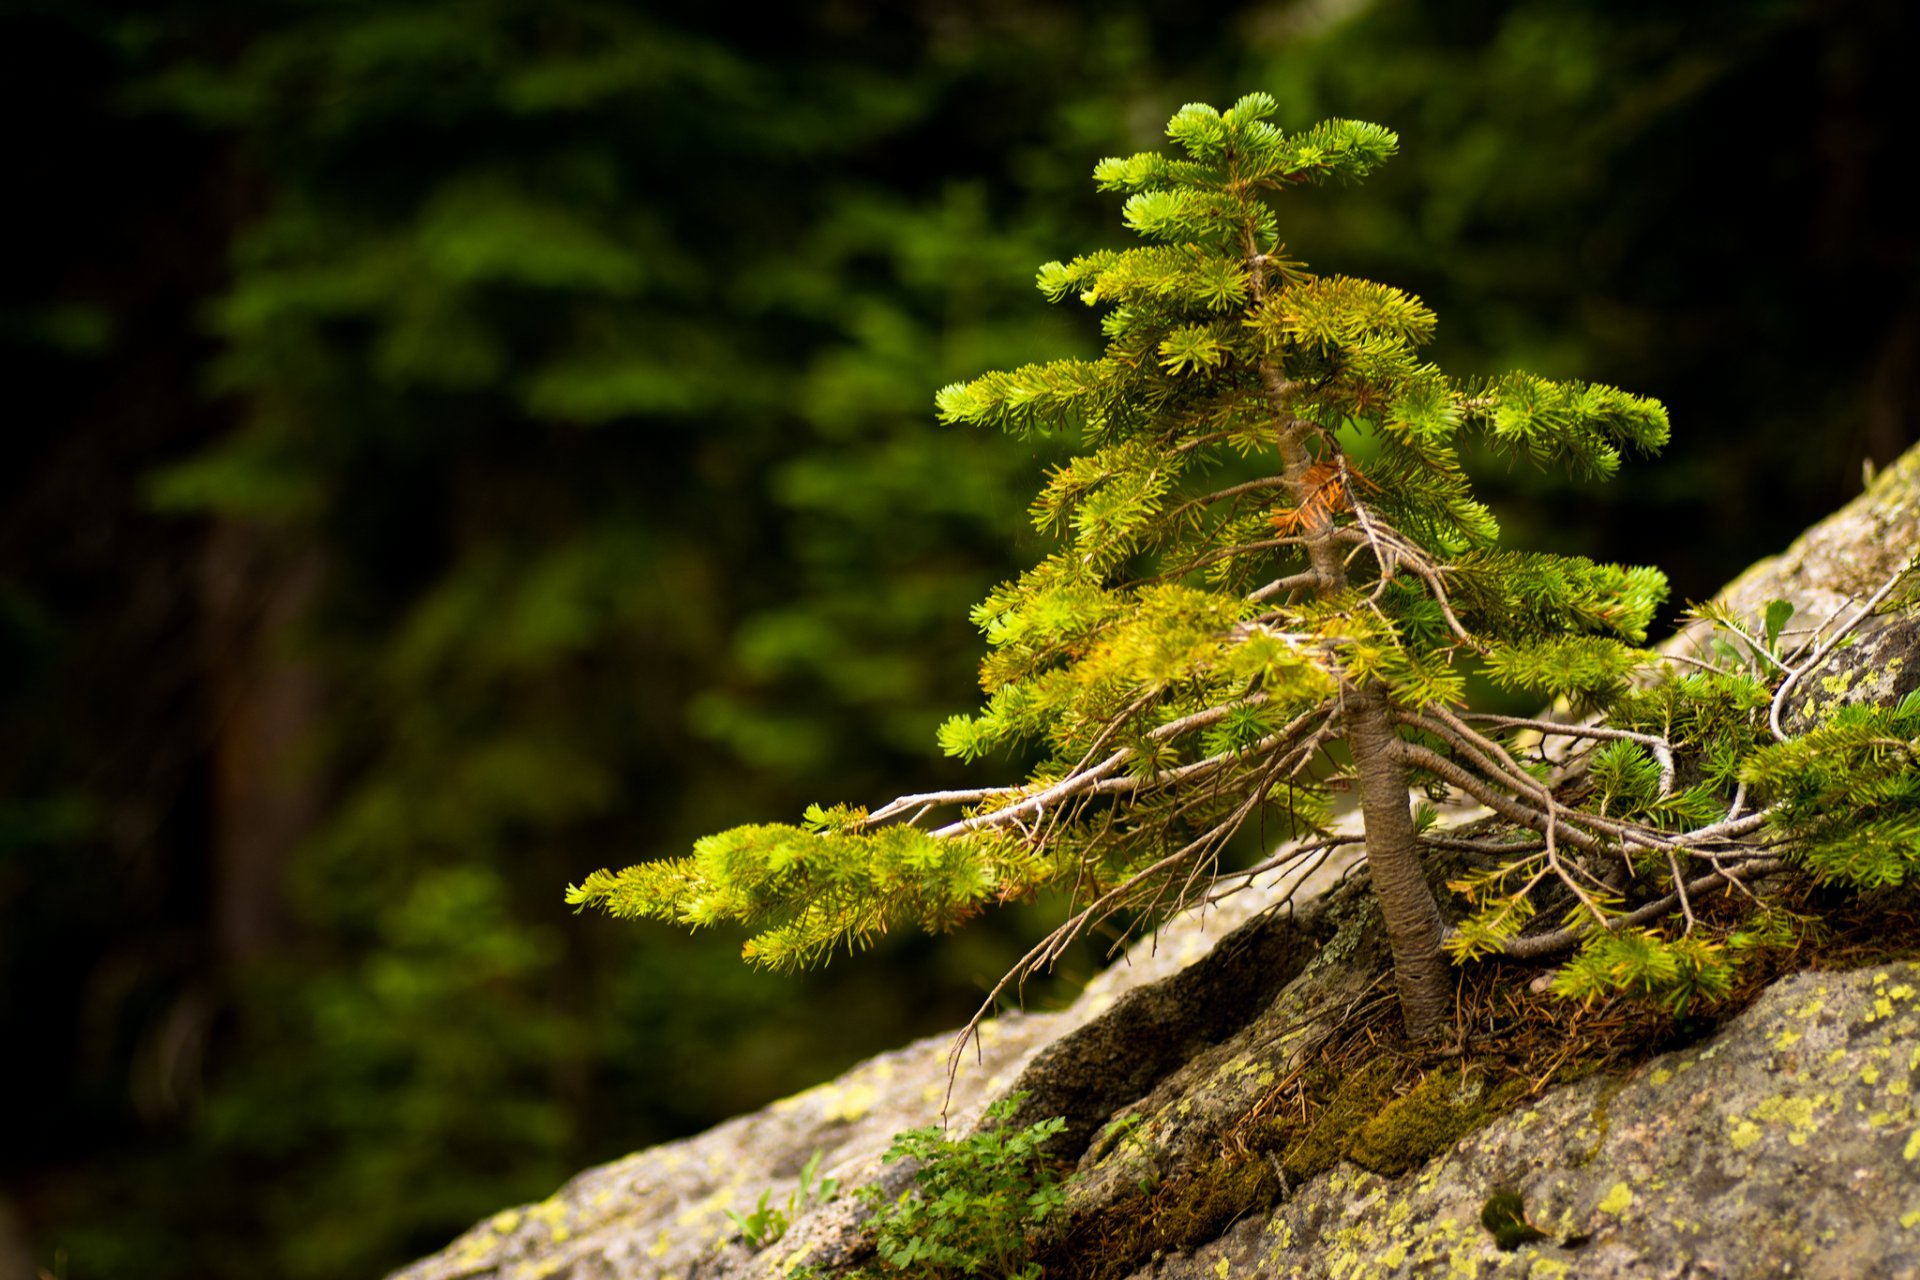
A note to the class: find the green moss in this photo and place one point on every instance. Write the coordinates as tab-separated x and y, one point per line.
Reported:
1369	1121
1439	1111
1328	1137
1202	1209
1184	1214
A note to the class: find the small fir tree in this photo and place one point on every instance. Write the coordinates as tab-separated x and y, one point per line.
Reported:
1267	546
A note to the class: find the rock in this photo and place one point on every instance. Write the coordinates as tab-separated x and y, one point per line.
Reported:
1880	663
1785	1144
663	1212
1839	562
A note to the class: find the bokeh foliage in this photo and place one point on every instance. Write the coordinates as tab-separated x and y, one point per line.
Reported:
588	350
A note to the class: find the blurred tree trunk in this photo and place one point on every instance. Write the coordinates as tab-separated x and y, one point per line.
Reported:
256	591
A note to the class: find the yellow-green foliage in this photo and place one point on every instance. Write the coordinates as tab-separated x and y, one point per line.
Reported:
1848	793
1267	523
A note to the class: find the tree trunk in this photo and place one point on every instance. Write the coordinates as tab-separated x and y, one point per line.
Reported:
1421	972
266	800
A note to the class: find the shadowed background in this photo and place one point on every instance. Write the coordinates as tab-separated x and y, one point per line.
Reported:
456	445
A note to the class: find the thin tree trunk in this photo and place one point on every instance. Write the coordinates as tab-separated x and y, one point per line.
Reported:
1414	927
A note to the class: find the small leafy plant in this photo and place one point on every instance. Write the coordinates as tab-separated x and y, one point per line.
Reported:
767	1223
973	1202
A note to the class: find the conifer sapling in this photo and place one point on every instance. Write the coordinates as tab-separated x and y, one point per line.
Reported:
1267	545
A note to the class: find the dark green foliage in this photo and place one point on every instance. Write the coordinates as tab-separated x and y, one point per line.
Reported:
1505	1216
590	370
1561	205
974	1200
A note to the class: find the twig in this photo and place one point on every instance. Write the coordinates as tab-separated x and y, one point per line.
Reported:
1544	944
1662	750
1820	654
1293	582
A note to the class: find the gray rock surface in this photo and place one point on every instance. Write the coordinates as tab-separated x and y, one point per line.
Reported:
1785	1145
662	1213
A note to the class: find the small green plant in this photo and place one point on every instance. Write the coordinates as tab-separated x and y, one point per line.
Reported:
1505	1216
973	1201
767	1223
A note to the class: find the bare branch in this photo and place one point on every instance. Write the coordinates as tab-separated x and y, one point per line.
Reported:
1546	944
1827	647
1661	748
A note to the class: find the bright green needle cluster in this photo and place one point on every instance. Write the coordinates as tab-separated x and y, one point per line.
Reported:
1847	794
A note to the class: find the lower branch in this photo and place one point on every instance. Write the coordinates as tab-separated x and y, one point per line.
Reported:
1546	944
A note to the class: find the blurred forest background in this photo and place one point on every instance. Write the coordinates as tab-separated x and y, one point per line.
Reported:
453	445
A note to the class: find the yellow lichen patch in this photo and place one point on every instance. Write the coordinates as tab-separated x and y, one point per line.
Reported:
1912	1151
1222	1268
505	1220
1617	1201
712	1205
1795	1113
553	1215
1744	1135
658	1249
1660	1076
1910	1219
476	1250
1901	992
1870	1075
855	1101
1547	1269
